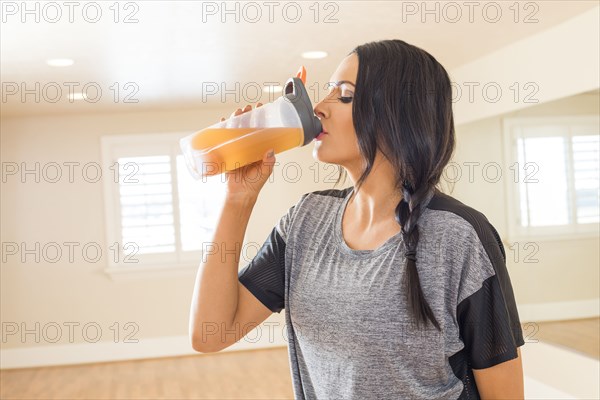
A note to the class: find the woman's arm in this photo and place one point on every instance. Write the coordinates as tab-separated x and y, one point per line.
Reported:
215	297
502	381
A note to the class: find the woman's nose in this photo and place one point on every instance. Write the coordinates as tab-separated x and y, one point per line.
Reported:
319	110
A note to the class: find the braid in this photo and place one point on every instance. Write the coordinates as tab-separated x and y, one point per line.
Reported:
408	212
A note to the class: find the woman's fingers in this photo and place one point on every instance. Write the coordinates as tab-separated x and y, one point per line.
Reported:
241	111
236	112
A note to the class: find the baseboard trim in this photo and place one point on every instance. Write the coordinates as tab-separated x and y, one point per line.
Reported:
84	353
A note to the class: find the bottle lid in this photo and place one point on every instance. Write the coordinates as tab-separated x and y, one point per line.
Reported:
302	74
295	91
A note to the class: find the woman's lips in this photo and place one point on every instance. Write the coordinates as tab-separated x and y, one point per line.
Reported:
320	135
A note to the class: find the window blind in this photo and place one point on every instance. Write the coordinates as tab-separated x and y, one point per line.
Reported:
146	200
559	181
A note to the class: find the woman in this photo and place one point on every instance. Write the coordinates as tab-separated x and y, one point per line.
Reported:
392	288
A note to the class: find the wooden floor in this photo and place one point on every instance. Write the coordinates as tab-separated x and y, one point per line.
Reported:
582	335
251	374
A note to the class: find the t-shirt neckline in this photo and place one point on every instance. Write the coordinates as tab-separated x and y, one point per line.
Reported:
343	246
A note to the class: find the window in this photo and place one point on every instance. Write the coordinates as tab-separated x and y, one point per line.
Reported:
157	216
552	181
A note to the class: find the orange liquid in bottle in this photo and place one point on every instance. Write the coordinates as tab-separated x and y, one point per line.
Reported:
226	149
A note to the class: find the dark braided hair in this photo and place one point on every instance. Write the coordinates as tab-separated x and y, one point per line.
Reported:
403	107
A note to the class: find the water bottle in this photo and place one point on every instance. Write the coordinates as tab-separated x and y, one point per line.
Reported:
286	123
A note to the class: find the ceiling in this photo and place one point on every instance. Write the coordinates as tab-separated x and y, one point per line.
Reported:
176	50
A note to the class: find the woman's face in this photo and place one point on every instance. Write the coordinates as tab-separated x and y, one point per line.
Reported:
339	145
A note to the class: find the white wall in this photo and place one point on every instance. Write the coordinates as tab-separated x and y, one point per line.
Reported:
568	269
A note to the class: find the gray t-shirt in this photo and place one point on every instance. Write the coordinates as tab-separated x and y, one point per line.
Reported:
350	331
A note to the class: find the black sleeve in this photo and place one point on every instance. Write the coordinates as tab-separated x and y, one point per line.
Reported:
264	276
488	319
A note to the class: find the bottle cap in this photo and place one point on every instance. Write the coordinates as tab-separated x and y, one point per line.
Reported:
295	91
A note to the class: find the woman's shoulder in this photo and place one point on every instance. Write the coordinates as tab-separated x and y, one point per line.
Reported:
462	224
314	203
322	198
331	193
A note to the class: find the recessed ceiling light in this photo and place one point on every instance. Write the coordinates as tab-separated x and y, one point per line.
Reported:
272	89
77	96
314	54
60	62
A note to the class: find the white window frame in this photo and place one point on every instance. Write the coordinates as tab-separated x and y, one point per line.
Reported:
159	265
511	128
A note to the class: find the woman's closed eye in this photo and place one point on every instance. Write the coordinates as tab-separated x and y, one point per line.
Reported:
342	87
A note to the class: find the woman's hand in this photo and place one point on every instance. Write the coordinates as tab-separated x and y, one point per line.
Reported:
247	181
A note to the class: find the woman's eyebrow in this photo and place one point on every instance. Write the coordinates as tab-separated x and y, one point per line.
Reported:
337	83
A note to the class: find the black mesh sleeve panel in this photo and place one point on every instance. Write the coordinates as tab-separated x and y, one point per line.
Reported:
264	275
490	334
488	319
